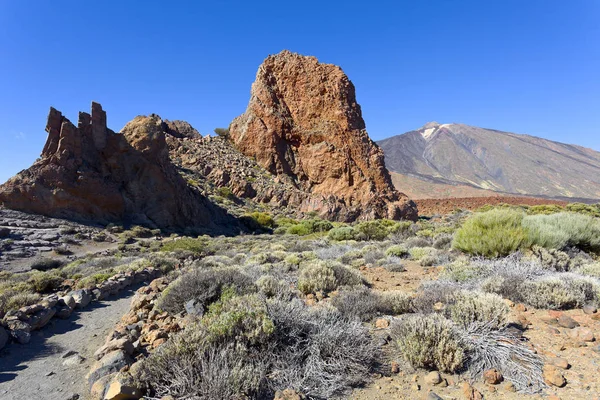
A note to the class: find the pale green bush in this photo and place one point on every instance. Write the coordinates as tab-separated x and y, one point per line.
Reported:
558	231
494	233
396	250
418	253
487	308
564	291
316	277
429	341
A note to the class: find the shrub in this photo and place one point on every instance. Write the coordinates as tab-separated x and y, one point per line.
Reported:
397	251
393	264
358	303
317	351
461	270
592	270
345	233
486	308
225	192
553	259
196	246
299	229
563	291
263	219
395	302
45	264
558	231
93	280
418	253
141	232
204	286
185	367
62	250
417	242
316	277
373	230
443	241
493	233
372	256
429	341
45	282
100	237
501	349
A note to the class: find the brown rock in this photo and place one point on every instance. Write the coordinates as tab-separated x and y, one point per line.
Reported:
433	378
553	377
521	307
492	376
560	363
581	333
470	392
288	394
395	367
589	309
90	173
382	323
567	322
303	124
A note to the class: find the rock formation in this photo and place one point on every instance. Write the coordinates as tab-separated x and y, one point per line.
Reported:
89	173
304	125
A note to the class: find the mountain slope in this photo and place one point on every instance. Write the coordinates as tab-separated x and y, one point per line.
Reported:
457	154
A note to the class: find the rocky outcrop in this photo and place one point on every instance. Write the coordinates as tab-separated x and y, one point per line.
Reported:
90	173
303	124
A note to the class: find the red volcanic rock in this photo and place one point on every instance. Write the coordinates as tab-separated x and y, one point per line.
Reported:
87	172
303	123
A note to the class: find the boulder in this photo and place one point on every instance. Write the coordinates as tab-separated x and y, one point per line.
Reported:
304	125
110	363
82	297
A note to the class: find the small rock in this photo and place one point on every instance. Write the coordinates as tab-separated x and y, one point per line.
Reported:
382	323
553	377
470	392
433	396
50	373
416	387
117	390
560	363
583	334
395	367
82	297
492	376
433	378
567	322
589	309
287	394
68	353
75	359
521	307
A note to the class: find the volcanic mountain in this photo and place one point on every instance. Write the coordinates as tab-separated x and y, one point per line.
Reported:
462	161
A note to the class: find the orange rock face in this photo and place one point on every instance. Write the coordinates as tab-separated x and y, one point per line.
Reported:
87	172
303	124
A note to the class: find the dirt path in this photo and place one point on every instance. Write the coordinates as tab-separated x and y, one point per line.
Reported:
36	370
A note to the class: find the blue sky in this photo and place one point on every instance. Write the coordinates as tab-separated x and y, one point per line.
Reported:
522	66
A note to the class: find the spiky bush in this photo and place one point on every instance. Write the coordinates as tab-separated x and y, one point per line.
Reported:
554	259
345	233
418	253
326	276
429	341
494	233
476	307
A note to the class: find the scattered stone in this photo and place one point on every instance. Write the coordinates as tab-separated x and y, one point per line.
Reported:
82	297
382	323
552	376
567	322
470	392
75	359
589	309
68	353
416	387
110	363
560	363
433	396
194	308
117	390
492	376
433	378
521	307
395	367
287	394
50	373
583	334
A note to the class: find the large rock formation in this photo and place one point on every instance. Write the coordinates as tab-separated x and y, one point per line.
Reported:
303	123
87	172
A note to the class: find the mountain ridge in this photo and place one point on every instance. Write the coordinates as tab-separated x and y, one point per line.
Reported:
493	160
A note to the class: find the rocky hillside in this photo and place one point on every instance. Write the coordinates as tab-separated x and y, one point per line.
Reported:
462	155
90	173
303	125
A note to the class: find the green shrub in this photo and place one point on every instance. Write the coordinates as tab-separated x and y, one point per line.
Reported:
374	230
45	282
487	308
345	233
141	232
45	264
310	226
429	341
299	229
559	231
396	251
263	219
196	246
364	304
94	280
418	253
225	192
461	270
592	270
493	233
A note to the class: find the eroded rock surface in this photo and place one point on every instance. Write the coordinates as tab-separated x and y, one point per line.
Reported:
90	173
303	124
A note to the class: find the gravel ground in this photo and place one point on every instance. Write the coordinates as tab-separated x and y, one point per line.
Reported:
36	370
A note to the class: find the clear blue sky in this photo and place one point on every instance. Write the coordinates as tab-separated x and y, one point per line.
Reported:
522	66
